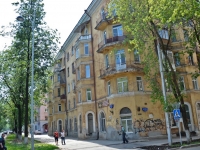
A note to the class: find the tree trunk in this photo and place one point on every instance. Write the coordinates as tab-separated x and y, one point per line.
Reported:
19	132
27	94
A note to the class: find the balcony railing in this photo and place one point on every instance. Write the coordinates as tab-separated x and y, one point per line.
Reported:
109	41
111	69
177	46
63	97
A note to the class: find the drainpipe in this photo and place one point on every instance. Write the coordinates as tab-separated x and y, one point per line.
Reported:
95	97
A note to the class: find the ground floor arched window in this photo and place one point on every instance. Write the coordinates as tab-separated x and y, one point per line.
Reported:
90	123
60	125
126	119
102	122
80	124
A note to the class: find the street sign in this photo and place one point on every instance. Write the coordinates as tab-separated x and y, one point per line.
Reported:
177	114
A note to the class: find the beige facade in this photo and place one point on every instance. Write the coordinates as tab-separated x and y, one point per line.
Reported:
98	85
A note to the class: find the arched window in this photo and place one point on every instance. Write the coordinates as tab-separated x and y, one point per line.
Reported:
80	123
75	125
126	119
70	125
60	125
90	123
102	122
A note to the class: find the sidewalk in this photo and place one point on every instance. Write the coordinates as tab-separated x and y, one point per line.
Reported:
74	143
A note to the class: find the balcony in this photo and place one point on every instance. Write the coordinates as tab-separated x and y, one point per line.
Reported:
62	82
177	46
103	21
109	43
83	39
112	69
63	97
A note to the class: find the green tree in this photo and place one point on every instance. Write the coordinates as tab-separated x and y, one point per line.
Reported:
147	23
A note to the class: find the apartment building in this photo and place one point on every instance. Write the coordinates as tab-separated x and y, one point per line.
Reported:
98	86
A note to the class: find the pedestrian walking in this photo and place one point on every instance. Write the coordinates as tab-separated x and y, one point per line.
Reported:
56	135
63	137
124	135
2	141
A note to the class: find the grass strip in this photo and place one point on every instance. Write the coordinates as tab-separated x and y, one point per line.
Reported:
14	144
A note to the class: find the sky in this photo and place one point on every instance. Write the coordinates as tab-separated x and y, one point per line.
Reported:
62	15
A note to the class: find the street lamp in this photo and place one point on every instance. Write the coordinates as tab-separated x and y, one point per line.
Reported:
21	19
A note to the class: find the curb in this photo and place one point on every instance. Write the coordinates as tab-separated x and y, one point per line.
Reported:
187	146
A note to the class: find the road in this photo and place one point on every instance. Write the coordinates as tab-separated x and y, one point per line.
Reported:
192	148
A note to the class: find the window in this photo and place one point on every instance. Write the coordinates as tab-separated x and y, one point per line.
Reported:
103	14
136	55
74	103
68	71
139	84
45	110
187	113
88	94
186	35
126	119
87	71
120	59
58	77
80	124
77	53
73	67
102	122
86	49
181	83
70	125
58	92
75	125
78	74
46	118
72	50
59	107
68	88
106	61
59	126
68	56
177	59
173	36
35	127
122	85
73	85
86	31
117	31
104	37
108	88
79	96
195	84
163	34
190	59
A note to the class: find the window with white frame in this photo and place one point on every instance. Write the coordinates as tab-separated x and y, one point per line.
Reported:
79	96
107	61
89	94
78	74
77	53
59	107
87	71
117	31
58	77
122	84
86	49
126	119
102	122
73	85
139	84
108	88
68	71
68	88
80	123
136	56
181	83
120	59
195	84
163	34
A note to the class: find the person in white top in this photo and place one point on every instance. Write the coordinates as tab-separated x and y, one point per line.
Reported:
63	137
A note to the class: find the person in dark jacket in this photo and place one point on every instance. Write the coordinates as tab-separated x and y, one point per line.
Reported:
124	135
3	141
